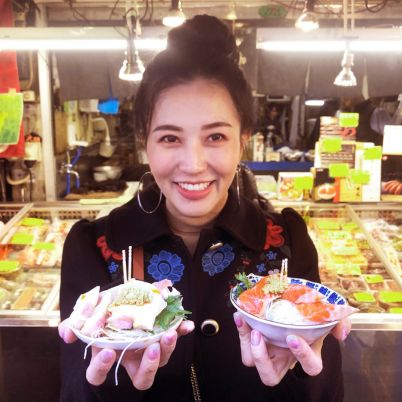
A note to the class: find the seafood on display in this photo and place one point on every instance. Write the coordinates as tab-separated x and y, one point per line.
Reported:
135	309
277	298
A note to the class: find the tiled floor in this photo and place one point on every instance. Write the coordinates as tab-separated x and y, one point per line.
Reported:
29	371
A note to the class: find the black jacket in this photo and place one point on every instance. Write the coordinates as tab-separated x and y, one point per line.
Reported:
252	241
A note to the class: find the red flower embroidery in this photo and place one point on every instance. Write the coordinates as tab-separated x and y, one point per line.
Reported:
273	236
106	251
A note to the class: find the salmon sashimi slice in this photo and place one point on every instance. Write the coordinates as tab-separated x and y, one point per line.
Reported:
302	294
320	312
255	299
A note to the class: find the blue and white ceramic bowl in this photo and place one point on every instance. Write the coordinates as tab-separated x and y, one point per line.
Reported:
276	332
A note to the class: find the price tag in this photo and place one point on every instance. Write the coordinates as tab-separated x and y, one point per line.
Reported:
303	183
359	176
349	269
373	278
348	119
349	226
9	266
338	170
373	153
32	222
331	145
22	238
364	297
44	246
328	225
390	297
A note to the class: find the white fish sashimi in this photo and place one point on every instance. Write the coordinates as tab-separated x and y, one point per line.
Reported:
84	307
143	314
97	320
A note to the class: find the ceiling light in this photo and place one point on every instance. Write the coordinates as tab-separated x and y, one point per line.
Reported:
308	20
346	78
314	102
175	16
133	67
232	15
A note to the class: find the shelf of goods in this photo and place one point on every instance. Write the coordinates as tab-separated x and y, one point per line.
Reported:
30	255
360	250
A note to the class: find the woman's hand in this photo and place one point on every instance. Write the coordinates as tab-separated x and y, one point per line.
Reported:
273	362
141	365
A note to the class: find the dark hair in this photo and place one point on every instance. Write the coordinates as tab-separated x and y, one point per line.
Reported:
203	47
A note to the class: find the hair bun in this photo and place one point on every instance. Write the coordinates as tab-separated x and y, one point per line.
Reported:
203	34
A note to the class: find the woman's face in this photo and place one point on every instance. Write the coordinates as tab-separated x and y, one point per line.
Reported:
193	148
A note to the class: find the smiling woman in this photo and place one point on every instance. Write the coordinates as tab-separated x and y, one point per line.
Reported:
194	227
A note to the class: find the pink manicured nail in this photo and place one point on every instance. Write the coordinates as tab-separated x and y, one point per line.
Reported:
106	356
292	341
255	338
237	319
345	334
153	351
169	339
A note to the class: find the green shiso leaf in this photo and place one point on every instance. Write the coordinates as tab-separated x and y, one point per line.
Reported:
173	310
245	281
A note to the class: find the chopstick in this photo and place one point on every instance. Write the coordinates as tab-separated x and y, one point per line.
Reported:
127	265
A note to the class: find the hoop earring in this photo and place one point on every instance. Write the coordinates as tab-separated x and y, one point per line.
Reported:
237	184
140	184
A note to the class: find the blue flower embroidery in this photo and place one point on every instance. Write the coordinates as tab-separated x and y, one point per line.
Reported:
271	255
215	261
166	265
113	267
261	267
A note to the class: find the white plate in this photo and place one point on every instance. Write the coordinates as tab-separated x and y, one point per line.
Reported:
129	343
133	343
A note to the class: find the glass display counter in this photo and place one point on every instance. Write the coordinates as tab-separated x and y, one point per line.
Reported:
350	241
30	258
350	263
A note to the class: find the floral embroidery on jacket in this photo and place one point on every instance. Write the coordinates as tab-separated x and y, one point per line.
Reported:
106	251
261	267
166	265
113	267
273	236
271	255
215	261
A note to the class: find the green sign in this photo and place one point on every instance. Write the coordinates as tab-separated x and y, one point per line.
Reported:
11	110
359	176
364	297
22	238
331	145
303	183
44	246
32	222
272	11
373	153
9	266
338	170
328	225
348	120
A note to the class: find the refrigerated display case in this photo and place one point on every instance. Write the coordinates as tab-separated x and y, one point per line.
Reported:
30	258
350	262
351	259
